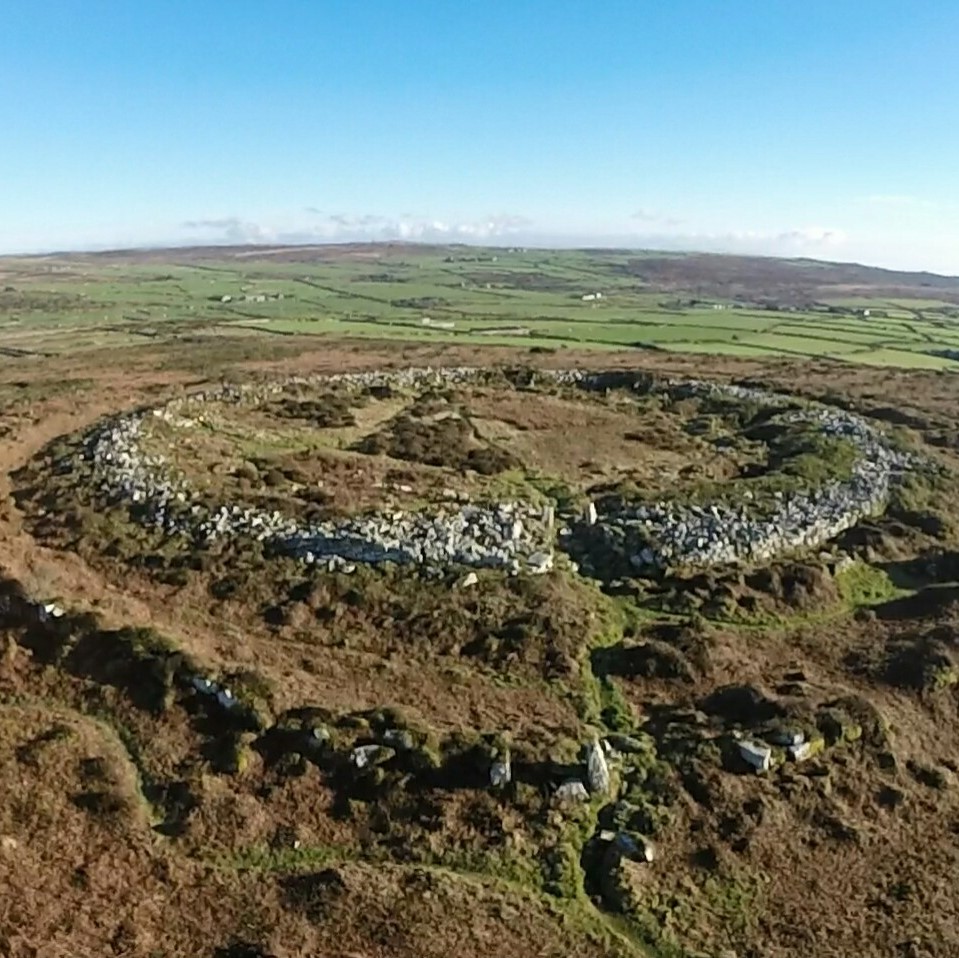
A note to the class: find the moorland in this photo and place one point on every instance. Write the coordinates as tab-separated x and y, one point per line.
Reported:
387	602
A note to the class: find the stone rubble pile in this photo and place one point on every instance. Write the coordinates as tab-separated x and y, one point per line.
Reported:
511	535
222	695
758	753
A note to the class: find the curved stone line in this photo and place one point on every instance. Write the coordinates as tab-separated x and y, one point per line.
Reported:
511	535
721	534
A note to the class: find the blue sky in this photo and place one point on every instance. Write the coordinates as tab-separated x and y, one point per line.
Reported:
787	127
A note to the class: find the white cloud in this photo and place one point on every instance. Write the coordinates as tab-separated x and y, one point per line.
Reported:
349	227
651	217
806	240
815	236
659	232
232	229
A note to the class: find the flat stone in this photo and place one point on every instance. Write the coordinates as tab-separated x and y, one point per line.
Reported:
540	562
365	755
756	754
787	739
399	738
803	751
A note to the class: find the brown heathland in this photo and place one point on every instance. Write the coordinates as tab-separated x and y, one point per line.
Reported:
134	822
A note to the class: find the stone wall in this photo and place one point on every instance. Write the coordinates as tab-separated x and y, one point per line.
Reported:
507	535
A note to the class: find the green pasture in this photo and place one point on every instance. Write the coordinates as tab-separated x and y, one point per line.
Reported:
54	305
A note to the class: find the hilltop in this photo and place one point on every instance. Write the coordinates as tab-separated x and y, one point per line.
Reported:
404	643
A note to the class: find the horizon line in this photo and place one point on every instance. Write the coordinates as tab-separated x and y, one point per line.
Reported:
460	244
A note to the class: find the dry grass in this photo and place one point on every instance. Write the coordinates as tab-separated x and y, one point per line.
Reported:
262	847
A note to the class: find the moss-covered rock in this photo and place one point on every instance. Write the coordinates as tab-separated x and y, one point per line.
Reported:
837	727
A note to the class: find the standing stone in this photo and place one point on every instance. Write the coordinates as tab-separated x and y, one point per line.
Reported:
549	516
590	514
597	771
501	772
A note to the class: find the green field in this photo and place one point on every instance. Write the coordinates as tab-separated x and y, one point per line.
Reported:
52	305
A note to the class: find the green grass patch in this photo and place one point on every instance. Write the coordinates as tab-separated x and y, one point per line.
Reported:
862	584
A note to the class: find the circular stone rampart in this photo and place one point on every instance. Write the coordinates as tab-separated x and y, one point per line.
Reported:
507	535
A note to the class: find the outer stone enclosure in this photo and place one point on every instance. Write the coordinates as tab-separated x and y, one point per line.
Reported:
819	471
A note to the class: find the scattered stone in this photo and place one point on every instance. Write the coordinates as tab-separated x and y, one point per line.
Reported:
501	772
470	579
400	738
626	744
319	735
540	562
787	738
803	751
365	755
572	791
756	754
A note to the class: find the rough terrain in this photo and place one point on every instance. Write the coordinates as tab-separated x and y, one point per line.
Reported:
215	746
